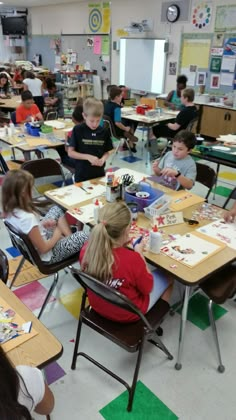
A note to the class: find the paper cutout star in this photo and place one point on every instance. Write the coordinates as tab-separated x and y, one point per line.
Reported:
161	220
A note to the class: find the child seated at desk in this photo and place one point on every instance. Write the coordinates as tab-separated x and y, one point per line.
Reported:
90	143
22	391
113	110
177	169
106	258
4	86
27	109
54	100
51	236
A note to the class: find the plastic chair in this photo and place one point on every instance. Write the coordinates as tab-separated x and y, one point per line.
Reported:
220	287
13	117
4	267
192	124
232	196
50	115
131	336
206	176
29	253
44	169
6	166
121	140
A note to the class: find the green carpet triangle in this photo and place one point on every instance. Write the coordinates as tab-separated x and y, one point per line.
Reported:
198	311
146	406
223	191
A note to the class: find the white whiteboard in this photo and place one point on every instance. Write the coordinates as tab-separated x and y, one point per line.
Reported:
143	64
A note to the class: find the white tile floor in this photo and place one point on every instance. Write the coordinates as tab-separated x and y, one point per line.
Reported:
197	392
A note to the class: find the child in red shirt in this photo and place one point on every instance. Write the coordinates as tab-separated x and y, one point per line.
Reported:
27	109
106	258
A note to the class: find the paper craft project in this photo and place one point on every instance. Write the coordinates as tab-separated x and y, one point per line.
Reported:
229	139
224	232
136	231
11	326
184	199
84	214
168	219
192	249
77	193
58	125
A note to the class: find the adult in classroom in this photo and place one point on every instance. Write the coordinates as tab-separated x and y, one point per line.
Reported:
173	100
35	86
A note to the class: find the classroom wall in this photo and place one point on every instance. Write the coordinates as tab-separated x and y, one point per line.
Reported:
72	18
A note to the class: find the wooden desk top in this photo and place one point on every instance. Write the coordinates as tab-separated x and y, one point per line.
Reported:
184	274
131	115
13	102
41	349
31	143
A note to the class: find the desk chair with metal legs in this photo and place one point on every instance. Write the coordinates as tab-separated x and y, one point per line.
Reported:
121	140
232	196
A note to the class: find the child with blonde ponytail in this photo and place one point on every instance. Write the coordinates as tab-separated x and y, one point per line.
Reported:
106	258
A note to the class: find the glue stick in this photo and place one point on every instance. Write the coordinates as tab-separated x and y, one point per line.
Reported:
96	210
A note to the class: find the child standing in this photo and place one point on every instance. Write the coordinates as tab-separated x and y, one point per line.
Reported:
106	258
27	109
113	110
177	169
51	236
90	143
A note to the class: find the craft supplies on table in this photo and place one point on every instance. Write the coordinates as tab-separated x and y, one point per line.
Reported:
142	202
207	212
184	199
77	193
84	214
158	207
192	249
222	231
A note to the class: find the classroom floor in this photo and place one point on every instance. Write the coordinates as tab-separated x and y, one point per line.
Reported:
197	392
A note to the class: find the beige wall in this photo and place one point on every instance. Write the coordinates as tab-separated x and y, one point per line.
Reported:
73	18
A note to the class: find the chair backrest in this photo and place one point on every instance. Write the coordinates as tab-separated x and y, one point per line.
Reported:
149	101
107	293
50	115
23	244
108	123
3	165
4	267
192	124
42	169
206	176
232	196
13	117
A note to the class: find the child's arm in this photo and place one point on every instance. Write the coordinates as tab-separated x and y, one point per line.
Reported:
173	126
155	167
122	126
230	216
39	243
184	181
39	116
83	156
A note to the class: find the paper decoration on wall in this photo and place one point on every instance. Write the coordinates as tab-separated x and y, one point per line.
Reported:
90	42
99	17
230	47
172	68
225	18
201	15
215	65
218	39
201	78
215	81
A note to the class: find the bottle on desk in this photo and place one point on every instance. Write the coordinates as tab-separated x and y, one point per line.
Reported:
155	240
96	210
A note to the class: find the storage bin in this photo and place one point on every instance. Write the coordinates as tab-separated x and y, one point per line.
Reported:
159	206
144	202
32	131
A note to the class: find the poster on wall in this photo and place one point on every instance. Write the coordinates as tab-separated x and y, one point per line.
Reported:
215	81
230	47
201	15
172	68
218	39
215	65
99	17
201	78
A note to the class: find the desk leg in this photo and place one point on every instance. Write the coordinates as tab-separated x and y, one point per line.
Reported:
13	153
26	155
184	313
217	173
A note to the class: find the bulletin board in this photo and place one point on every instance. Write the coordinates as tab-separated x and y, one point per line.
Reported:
211	57
94	49
41	44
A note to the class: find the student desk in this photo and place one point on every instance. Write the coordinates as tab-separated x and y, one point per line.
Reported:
11	103
190	277
42	348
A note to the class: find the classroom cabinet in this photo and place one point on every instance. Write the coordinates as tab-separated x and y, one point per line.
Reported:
216	121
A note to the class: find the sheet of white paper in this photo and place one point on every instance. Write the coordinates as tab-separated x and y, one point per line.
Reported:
72	195
227	79
224	232
228	64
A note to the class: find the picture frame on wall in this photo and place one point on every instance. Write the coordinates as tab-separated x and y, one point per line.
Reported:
215	65
215	81
201	78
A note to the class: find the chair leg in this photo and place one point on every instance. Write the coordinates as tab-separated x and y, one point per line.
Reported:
158	343
53	285
21	263
135	377
221	367
73	364
116	151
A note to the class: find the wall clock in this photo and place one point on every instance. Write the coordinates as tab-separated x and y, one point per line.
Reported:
173	13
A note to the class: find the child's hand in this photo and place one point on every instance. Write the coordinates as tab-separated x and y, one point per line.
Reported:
101	161
230	216
93	160
169	172
49	223
139	247
127	129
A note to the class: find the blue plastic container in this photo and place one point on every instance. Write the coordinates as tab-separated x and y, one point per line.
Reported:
32	131
144	202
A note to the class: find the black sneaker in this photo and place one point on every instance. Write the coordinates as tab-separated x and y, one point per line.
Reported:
133	149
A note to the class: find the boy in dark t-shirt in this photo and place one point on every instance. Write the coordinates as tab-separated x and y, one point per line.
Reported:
90	143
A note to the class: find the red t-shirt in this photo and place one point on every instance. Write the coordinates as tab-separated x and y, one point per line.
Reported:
22	113
131	278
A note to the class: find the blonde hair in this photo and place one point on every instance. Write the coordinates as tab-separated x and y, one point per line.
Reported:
189	94
92	107
17	191
98	259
